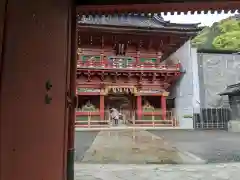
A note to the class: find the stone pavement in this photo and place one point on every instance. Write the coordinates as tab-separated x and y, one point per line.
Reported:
133	147
229	171
211	146
214	146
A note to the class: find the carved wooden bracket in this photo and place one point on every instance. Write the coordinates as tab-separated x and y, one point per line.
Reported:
89	75
102	76
141	77
154	77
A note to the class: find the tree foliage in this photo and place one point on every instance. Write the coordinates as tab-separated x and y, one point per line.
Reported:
229	25
223	35
201	38
228	41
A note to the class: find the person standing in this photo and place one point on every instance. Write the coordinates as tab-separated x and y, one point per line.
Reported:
114	115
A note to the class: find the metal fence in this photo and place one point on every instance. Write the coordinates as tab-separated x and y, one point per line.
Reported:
212	118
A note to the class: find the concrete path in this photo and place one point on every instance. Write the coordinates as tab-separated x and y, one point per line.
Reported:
134	147
157	172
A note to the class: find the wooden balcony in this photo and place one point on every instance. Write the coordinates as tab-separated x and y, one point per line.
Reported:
125	63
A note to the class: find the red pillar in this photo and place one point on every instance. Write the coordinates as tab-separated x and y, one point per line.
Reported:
139	107
102	107
164	107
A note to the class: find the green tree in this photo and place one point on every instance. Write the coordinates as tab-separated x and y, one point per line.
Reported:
229	25
228	41
223	35
201	38
205	38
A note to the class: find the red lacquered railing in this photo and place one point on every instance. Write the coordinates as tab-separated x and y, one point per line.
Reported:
129	119
99	64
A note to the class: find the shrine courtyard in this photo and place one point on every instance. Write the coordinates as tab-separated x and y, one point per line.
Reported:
156	147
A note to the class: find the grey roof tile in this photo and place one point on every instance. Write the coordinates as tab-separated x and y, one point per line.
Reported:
134	20
231	90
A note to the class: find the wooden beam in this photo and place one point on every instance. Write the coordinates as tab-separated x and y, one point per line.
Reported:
163	7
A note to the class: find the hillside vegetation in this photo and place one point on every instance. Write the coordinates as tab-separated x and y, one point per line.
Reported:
223	35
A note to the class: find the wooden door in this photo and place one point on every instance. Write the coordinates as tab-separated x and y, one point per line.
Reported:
2	23
3	4
36	55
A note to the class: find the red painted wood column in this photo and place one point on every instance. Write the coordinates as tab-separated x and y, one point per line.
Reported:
163	106
102	107
139	107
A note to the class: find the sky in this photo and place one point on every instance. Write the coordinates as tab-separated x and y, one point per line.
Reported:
204	19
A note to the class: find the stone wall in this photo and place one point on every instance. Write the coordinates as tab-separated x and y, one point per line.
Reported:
204	77
216	72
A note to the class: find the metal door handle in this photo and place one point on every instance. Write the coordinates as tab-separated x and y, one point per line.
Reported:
48	99
48	87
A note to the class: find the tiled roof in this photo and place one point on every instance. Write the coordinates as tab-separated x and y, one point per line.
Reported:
231	90
134	20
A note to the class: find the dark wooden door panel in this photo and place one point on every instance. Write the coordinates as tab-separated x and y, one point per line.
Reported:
2	22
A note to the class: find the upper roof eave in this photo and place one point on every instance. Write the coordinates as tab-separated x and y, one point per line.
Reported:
111	28
153	20
165	7
169	24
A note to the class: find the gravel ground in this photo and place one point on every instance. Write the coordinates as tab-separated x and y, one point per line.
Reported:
229	171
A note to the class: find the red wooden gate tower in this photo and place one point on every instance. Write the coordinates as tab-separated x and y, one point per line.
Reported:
121	65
